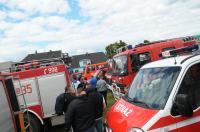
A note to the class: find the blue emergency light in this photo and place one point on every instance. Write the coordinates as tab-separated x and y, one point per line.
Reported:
129	46
175	52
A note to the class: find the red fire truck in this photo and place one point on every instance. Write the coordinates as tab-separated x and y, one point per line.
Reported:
12	117
127	62
41	82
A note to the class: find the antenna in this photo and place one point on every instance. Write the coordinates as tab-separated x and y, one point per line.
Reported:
175	62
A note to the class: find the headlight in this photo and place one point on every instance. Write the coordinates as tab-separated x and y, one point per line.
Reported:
135	130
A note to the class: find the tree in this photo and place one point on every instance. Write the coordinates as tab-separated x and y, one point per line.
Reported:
111	49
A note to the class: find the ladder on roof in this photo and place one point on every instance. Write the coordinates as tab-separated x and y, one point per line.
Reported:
23	113
58	60
38	63
185	39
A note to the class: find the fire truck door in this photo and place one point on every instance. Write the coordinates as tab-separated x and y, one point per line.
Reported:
190	87
6	122
29	89
50	87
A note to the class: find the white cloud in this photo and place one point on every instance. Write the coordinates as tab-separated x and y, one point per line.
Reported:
17	15
150	19
23	30
129	20
41	6
2	15
4	25
52	28
12	50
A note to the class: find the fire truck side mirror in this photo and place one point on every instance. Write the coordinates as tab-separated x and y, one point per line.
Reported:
135	68
183	105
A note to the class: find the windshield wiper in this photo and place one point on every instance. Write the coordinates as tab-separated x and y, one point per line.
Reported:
127	98
140	102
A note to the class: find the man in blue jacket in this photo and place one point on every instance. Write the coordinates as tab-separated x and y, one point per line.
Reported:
93	81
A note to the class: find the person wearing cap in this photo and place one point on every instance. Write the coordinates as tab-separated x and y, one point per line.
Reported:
93	81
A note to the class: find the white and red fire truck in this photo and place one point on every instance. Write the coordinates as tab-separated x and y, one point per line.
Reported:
41	82
164	96
11	116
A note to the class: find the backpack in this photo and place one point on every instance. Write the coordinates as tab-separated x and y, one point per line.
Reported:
62	102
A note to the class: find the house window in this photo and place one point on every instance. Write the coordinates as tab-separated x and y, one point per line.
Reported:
84	62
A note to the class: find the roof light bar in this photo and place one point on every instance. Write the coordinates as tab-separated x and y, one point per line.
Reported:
189	38
122	49
175	52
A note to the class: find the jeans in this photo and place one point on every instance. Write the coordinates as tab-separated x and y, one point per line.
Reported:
92	129
99	124
104	93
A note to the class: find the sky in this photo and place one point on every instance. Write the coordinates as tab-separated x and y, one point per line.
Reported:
80	26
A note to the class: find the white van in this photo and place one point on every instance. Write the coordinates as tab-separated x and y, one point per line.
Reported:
164	96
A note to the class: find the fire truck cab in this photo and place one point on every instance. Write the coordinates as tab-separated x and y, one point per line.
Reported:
41	82
11	117
164	96
127	63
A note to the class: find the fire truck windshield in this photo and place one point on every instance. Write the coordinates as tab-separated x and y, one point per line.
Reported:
152	86
119	66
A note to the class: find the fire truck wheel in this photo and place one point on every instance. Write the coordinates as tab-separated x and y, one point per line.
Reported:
35	125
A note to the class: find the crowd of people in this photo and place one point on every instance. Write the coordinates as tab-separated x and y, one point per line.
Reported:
84	108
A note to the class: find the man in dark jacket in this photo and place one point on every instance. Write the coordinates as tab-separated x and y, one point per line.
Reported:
98	103
80	115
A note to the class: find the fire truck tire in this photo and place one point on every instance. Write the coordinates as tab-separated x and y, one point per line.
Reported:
35	125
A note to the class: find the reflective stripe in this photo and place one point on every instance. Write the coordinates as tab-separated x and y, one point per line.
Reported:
179	124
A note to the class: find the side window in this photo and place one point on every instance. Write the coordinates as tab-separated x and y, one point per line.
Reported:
138	60
191	85
99	67
84	62
144	58
134	62
92	68
168	48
